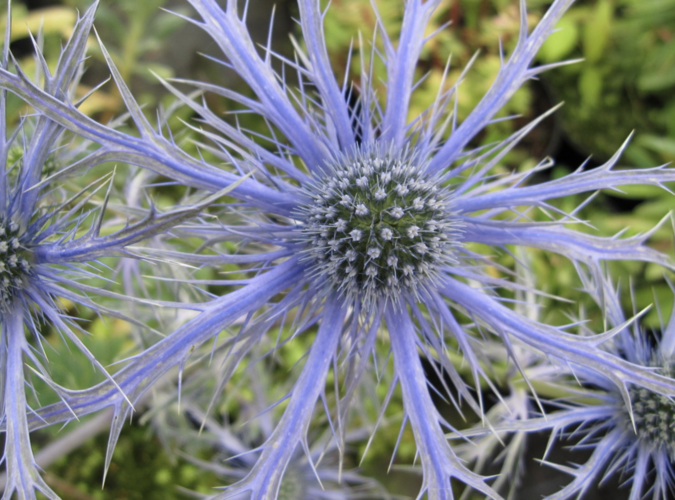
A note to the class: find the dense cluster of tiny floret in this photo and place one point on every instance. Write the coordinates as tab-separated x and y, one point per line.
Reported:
377	226
13	262
654	416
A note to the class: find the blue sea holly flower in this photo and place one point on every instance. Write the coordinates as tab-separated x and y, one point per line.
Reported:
360	223
631	434
627	433
53	234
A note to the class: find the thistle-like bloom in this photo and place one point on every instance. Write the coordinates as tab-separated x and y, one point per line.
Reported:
51	241
361	223
630	431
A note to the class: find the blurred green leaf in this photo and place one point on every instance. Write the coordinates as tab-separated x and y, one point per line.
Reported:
640	156
662	145
597	31
638	192
590	86
561	43
51	20
165	24
659	74
146	71
654	210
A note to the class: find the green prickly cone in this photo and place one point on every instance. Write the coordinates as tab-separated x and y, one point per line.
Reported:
654	414
377	227
14	262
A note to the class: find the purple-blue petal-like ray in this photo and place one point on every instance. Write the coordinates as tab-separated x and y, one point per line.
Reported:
23	477
512	75
401	64
334	99
438	460
151	364
230	32
46	130
571	348
161	156
572	244
579	182
264	480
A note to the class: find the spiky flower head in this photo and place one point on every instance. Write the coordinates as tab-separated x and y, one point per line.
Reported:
628	429
391	254
652	415
55	229
14	265
633	429
377	227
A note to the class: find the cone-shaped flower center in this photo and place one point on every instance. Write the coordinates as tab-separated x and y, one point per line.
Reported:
13	262
654	416
378	226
